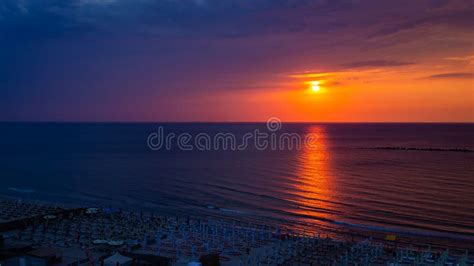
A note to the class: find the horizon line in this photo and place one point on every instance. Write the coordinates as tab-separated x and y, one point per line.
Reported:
232	122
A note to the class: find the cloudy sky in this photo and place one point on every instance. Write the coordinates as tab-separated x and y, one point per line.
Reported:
236	60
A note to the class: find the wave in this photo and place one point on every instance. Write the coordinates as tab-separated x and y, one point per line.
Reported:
21	190
233	211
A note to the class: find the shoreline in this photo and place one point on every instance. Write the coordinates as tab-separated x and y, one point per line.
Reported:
146	235
341	231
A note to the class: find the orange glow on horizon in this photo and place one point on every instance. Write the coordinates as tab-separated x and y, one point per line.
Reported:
413	93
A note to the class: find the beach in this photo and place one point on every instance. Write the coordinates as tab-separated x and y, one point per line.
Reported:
86	235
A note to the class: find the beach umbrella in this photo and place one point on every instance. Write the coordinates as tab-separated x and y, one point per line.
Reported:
158	246
144	241
193	251
178	253
249	260
49	217
257	259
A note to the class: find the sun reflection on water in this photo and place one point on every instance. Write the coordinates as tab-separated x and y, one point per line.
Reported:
314	188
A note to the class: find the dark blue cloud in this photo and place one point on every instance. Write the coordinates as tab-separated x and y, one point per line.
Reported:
24	19
34	20
456	14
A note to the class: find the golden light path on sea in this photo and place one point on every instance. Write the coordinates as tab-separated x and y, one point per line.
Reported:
314	188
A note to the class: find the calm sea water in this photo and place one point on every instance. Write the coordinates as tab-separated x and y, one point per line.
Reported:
343	182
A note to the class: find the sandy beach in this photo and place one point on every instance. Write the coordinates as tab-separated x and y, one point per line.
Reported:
95	235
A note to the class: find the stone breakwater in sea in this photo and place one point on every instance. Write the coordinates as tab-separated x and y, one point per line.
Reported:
421	149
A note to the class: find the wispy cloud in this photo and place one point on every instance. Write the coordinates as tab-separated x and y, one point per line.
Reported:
96	2
469	58
310	75
457	75
375	63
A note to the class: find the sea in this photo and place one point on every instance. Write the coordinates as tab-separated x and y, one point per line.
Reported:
389	177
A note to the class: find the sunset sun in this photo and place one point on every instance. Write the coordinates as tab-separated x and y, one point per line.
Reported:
315	86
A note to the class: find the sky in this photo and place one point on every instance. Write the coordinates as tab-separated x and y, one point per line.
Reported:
237	60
